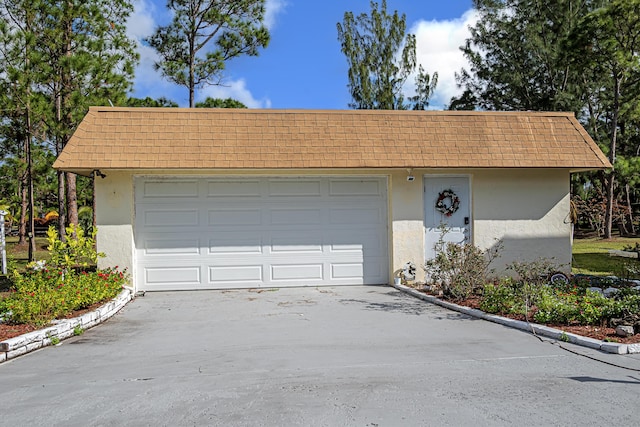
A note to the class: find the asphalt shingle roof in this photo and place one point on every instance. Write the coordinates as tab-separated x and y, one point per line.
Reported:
180	138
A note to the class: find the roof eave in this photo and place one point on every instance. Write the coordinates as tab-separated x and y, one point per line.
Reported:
91	171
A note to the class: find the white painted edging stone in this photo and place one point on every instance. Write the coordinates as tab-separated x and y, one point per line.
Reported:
61	329
608	347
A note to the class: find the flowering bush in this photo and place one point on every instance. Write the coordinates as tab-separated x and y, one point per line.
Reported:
40	296
46	291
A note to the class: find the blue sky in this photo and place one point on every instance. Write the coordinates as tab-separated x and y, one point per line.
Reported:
303	66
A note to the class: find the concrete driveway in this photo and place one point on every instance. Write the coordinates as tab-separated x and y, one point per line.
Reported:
348	356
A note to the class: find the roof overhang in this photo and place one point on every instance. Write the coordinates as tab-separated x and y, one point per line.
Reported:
241	139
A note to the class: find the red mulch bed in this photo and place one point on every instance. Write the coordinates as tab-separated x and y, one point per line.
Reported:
9	331
597	332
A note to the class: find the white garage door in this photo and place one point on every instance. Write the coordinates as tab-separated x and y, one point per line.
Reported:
214	233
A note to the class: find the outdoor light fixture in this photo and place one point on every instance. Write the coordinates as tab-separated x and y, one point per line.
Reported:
97	172
410	177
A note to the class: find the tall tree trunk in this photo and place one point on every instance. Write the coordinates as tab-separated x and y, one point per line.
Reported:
32	225
192	76
27	142
72	199
94	219
192	99
610	190
65	110
24	207
62	199
608	215
32	229
62	207
632	229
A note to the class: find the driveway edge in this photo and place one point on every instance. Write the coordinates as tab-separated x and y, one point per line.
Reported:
557	334
62	329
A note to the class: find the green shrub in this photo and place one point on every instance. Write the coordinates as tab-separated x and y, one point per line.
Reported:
533	272
40	296
460	270
625	302
590	308
78	250
501	298
46	291
530	294
579	283
628	269
555	307
531	282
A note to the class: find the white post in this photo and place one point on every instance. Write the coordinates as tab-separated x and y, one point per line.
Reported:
3	248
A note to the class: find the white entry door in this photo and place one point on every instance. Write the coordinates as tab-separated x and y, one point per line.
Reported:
456	223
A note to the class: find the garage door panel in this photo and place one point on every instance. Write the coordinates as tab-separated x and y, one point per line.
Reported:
176	245
234	217
355	187
347	270
373	267
357	217
235	243
250	189
293	217
171	217
236	274
297	272
347	247
260	232
294	189
291	242
179	189
367	242
173	275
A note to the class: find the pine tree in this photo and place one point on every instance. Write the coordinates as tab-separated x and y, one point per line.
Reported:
86	59
203	36
381	56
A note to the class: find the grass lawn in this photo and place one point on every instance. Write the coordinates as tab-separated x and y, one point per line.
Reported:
591	256
18	256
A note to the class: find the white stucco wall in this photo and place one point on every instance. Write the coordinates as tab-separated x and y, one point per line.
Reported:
528	210
525	208
114	218
406	214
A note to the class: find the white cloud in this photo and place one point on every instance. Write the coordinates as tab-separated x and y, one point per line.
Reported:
149	82
438	50
141	23
236	89
273	8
